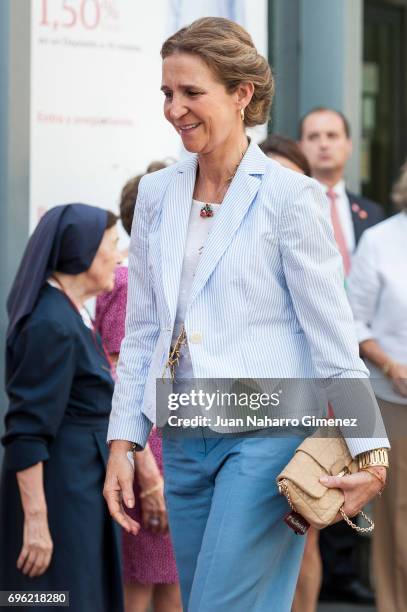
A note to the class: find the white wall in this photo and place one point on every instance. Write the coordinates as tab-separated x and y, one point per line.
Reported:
96	105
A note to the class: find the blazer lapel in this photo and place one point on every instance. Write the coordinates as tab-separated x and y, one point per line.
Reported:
175	217
358	224
239	197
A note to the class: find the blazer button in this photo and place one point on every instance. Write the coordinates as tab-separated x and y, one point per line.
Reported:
195	338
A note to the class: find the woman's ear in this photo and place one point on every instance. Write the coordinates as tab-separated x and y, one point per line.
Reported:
244	94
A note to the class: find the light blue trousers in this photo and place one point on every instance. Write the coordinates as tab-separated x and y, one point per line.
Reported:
234	553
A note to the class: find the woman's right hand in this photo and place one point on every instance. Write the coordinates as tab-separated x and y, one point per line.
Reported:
36	553
398	375
118	488
153	510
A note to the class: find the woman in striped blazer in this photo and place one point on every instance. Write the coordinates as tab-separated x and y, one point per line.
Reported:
233	260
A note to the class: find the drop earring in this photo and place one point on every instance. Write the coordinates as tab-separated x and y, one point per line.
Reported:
242	113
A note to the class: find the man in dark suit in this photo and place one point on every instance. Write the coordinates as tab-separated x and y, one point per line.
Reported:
326	141
324	136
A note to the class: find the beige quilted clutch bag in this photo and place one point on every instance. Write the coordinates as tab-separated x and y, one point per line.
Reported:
307	497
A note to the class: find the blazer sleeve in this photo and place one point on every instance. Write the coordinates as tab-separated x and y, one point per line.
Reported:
314	275
39	382
127	421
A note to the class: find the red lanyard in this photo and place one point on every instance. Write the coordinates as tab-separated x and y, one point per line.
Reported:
92	329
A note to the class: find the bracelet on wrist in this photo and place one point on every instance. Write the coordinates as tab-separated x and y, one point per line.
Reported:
152	490
377	457
133	446
387	367
377	476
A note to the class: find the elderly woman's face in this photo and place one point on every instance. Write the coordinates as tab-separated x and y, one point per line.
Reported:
197	104
101	274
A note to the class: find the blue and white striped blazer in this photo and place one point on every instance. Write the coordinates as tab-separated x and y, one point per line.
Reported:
268	295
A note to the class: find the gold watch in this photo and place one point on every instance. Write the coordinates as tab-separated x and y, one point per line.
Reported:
378	457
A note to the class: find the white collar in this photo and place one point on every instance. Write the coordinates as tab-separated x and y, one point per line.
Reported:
339	188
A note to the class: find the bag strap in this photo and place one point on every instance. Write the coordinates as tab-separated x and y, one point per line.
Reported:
356	527
283	490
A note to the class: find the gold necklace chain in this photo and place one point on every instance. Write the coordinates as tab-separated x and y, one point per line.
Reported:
175	353
207	210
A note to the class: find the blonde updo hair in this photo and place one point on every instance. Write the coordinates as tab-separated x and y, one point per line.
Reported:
229	52
399	193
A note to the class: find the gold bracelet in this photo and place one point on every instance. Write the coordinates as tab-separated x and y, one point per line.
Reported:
153	489
372	458
134	447
376	475
387	366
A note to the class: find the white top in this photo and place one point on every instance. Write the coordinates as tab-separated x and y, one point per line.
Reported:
198	230
344	213
378	295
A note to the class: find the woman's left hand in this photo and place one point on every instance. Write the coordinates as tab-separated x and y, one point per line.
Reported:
358	488
36	552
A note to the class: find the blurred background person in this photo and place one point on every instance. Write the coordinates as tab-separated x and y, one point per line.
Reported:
56	533
150	574
325	139
288	154
378	296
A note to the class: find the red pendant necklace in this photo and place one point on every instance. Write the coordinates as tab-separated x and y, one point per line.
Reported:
207	210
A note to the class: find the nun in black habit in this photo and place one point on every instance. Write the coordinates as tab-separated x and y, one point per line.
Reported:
55	530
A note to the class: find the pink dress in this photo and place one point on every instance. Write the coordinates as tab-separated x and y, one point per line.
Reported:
148	558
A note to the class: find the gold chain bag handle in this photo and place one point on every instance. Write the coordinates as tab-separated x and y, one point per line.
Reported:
356	527
349	520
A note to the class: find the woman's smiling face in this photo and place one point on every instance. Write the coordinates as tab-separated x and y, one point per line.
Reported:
197	104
